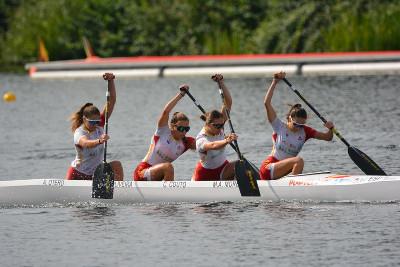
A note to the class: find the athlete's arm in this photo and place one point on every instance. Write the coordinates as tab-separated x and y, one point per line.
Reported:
227	95
327	136
85	142
271	114
216	145
113	95
163	120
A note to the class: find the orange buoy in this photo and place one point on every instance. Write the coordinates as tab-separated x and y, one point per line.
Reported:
9	97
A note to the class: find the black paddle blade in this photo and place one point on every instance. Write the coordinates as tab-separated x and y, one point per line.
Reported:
103	182
247	178
365	163
254	167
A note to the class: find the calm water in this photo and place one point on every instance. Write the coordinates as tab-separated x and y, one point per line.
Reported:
37	143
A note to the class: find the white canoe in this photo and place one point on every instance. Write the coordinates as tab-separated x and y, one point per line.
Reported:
325	187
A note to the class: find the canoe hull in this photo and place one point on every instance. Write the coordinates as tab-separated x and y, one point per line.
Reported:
321	187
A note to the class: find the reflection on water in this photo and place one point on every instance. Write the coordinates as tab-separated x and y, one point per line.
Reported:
285	210
97	215
214	210
161	210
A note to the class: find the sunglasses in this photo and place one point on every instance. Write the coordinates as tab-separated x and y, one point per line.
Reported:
217	125
297	125
93	122
182	129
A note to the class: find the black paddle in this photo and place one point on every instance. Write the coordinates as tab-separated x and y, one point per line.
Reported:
203	111
245	174
103	177
365	163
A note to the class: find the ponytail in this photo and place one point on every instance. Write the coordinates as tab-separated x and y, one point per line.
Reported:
77	118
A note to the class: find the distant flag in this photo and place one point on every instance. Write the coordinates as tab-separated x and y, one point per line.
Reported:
88	48
43	55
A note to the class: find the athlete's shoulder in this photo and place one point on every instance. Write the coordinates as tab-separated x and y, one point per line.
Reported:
310	132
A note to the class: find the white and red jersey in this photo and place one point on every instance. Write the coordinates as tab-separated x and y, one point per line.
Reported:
87	159
210	159
164	148
287	144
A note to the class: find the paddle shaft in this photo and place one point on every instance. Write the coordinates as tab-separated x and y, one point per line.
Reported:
230	122
195	102
103	177
315	111
106	123
246	174
203	111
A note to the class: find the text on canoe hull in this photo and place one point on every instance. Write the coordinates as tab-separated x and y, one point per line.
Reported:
130	184
54	182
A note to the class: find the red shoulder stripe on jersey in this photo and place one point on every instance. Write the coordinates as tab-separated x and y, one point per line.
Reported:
310	132
156	138
188	142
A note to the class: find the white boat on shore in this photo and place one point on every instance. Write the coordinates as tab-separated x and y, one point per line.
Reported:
320	187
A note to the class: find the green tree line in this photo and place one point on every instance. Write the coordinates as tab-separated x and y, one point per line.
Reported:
186	27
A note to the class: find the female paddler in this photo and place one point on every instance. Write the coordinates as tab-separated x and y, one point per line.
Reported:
211	142
167	144
288	137
87	125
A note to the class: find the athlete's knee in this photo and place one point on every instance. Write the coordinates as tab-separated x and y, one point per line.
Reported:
169	168
118	170
299	161
168	171
117	165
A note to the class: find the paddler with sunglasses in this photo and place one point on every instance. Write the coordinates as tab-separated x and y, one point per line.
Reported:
211	142
89	137
288	137
167	144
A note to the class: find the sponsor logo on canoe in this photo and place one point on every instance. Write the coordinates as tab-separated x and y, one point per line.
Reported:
53	182
226	184
368	179
174	184
338	176
299	183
